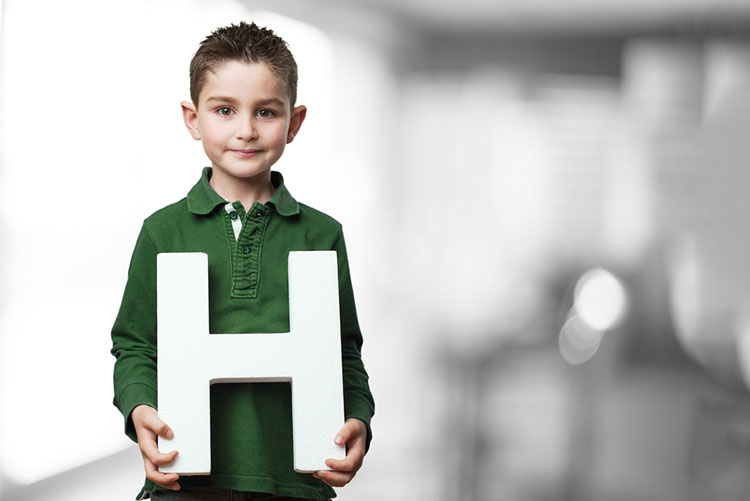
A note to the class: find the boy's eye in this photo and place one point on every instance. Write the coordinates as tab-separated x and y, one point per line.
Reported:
224	111
265	113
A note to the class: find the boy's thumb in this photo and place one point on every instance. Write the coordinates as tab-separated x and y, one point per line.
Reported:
343	435
161	428
166	431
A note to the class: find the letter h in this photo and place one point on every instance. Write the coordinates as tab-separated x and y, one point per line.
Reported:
190	359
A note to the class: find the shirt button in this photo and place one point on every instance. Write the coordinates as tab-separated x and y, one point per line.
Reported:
233	215
258	214
245	249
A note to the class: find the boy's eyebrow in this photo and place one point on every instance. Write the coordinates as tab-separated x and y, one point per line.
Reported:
271	100
231	100
223	99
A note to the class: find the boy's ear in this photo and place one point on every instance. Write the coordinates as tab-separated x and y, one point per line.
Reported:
190	116
298	116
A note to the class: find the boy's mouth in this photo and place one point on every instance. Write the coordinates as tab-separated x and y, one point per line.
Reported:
245	152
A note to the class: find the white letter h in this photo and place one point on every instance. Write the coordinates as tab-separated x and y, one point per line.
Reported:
190	359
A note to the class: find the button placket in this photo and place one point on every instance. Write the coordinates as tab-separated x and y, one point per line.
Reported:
235	218
248	251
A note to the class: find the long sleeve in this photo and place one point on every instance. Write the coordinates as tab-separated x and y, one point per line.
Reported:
358	400
134	334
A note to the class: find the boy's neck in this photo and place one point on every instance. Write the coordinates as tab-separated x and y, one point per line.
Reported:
247	190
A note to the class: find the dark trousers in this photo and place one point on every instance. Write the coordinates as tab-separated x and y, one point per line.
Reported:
209	494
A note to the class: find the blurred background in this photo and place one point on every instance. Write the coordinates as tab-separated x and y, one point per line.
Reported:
544	203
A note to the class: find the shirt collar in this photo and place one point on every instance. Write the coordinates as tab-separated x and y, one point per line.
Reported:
202	199
284	202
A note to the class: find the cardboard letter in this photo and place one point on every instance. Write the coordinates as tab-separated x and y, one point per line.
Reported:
190	359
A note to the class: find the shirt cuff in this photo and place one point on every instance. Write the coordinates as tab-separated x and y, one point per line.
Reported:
363	415
131	396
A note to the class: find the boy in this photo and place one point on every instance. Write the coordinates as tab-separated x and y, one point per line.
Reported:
243	83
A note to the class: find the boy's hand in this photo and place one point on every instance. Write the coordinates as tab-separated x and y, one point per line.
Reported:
353	434
147	427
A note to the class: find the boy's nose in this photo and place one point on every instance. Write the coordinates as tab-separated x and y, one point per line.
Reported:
247	130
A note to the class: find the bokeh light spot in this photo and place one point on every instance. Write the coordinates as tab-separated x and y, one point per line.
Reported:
600	299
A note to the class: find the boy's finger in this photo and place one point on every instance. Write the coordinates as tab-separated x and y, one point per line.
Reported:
344	465
349	430
158	426
166	480
342	436
333	478
174	486
351	463
164	458
149	449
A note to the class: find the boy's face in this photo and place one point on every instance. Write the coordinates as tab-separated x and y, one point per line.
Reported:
243	119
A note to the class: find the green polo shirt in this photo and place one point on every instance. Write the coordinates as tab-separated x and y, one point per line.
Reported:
251	424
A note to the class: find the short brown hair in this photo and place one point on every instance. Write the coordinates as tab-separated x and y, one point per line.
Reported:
247	43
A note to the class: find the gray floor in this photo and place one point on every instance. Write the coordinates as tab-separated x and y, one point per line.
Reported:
114	478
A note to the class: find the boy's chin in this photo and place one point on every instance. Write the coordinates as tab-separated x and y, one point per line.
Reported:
242	173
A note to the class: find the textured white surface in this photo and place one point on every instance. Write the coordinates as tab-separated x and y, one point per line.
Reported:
190	359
